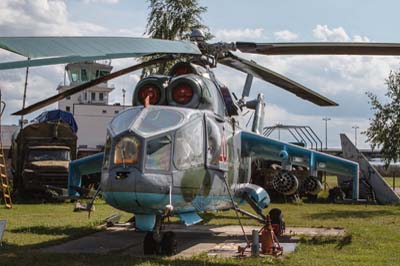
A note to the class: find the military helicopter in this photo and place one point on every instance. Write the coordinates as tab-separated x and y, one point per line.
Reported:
182	148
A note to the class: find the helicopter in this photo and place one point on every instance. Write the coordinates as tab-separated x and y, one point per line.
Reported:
183	147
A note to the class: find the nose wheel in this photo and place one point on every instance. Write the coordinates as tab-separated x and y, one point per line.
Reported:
154	245
151	244
169	244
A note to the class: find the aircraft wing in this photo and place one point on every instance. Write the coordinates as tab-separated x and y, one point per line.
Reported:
257	146
84	166
60	50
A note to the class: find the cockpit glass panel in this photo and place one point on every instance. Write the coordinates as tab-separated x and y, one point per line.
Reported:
107	149
123	121
158	153
159	119
213	142
189	143
126	150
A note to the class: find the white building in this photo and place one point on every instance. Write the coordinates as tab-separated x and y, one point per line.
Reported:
6	135
90	108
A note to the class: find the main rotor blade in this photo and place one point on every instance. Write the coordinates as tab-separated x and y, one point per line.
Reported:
60	50
320	48
270	76
92	83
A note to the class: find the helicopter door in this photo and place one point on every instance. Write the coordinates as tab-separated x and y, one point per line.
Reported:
217	146
189	158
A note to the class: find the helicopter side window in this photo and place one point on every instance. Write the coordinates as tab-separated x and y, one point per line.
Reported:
189	143
158	154
213	142
107	149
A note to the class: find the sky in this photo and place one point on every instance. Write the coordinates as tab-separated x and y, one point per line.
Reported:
344	79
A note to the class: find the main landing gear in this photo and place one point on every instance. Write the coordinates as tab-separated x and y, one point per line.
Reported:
156	243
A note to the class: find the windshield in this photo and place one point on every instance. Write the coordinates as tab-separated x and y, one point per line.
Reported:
158	154
48	155
126	150
123	121
159	119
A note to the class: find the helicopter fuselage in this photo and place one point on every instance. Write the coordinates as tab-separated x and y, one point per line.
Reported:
160	155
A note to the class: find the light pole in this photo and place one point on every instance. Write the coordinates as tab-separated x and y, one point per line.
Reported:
355	134
123	98
326	119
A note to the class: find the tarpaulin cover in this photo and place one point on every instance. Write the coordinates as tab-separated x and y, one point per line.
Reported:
58	115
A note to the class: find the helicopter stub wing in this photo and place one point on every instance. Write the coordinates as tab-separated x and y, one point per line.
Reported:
60	50
91	164
263	73
257	146
320	48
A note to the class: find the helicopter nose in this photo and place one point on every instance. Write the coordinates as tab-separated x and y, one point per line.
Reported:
152	190
147	191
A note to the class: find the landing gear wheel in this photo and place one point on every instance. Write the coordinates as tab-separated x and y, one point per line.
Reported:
336	194
151	244
169	244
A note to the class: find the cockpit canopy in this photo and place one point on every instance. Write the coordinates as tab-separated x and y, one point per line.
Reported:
144	137
149	121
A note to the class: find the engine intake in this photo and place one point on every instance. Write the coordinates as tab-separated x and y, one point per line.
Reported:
153	87
185	91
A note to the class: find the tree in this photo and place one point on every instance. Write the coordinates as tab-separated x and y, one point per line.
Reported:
173	20
384	129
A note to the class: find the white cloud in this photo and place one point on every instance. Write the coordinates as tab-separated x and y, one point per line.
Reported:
285	35
326	34
101	1
41	17
239	34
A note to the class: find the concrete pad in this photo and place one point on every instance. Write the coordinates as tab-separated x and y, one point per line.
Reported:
221	241
101	242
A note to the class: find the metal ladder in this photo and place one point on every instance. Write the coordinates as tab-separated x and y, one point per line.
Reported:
5	185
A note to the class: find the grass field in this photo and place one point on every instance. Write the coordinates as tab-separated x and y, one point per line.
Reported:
373	236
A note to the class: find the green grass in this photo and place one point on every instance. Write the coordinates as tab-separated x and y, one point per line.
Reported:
396	182
373	236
